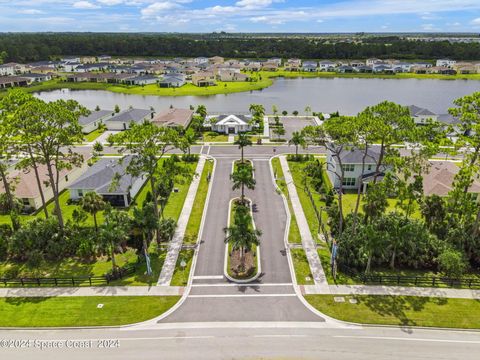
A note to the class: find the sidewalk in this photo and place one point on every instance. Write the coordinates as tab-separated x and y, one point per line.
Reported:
176	244
391	290
307	240
92	291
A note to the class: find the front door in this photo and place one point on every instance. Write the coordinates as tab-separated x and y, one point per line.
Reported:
231	130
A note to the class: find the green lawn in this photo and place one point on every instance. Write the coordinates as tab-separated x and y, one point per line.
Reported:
401	310
214	137
90	137
193	226
180	276
82	311
301	266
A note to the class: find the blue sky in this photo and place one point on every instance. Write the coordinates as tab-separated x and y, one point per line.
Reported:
241	15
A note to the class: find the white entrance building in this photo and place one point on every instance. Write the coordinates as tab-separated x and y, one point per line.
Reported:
230	124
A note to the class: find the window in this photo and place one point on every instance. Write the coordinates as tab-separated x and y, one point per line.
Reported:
25	202
348	167
349	181
369	167
80	193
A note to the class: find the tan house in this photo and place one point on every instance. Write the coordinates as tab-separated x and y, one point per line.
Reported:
202	79
440	178
293	64
270	66
174	118
26	188
230	75
216	60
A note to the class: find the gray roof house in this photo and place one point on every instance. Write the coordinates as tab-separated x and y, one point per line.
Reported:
91	122
123	120
172	80
351	162
421	115
100	176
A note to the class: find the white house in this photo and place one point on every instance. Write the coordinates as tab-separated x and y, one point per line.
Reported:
327	65
445	62
7	69
230	124
32	77
99	178
200	60
172	80
351	162
94	120
124	119
141	80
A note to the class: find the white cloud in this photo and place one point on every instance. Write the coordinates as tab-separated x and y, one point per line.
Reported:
159	7
110	2
258	19
254	4
31	12
85	5
476	21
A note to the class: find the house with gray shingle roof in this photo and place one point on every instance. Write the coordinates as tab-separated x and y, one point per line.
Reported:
108	177
94	120
230	124
350	160
421	115
124	119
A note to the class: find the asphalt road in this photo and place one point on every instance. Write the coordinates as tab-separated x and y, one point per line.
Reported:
250	341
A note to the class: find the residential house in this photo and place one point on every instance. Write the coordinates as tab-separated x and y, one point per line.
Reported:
373	61
216	60
351	161
34	78
327	65
70	59
141	80
124	119
364	69
269	66
26	186
7	69
293	65
92	67
71	67
345	69
202	79
443	70
276	61
172	80
88	59
253	66
421	115
94	120
200	60
12	81
356	63
230	75
310	66
230	124
109	179
445	63
174	118
439	179
379	68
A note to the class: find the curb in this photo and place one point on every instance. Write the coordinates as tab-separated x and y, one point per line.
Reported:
259	265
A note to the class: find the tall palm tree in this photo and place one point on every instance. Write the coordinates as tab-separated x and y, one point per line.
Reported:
242	141
202	111
93	203
114	231
146	222
298	139
243	177
241	235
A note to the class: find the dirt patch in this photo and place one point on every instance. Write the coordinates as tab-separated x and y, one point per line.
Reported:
236	267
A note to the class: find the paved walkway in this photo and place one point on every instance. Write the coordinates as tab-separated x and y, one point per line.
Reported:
92	291
176	244
391	290
307	240
231	138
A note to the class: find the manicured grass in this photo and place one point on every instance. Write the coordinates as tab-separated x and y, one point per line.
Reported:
401	310
82	311
180	276
93	135
302	268
293	233
193	226
214	137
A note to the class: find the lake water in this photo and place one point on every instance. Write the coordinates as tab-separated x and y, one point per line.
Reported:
347	95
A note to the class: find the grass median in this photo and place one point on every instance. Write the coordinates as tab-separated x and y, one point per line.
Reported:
82	310
401	310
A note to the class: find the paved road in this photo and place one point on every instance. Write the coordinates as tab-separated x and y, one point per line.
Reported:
254	341
270	298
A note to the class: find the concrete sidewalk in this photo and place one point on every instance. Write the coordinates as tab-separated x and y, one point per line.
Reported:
307	240
176	244
391	290
92	291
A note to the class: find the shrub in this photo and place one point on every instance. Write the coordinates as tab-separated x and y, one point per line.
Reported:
452	263
300	157
190	158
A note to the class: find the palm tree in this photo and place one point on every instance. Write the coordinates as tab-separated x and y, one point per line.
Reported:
114	231
298	139
188	139
202	111
241	235
242	141
243	177
93	203
308	110
145	221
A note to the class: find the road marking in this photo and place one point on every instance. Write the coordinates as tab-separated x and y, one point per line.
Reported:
407	339
241	295
240	285
167	338
207	277
280	336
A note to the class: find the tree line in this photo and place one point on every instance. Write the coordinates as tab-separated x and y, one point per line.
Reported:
28	47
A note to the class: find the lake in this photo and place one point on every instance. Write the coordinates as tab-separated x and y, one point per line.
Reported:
347	95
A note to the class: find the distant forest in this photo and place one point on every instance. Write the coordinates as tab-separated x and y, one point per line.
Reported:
27	47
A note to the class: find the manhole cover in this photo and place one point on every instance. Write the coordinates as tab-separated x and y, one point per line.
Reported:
353	301
99	306
339	299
